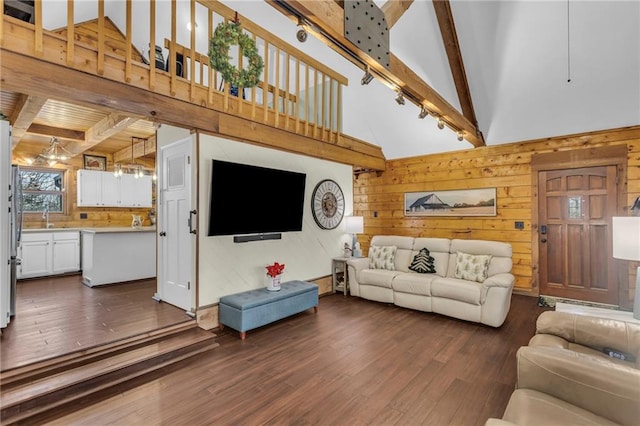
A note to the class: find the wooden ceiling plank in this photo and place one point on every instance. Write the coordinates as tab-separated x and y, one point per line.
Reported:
27	109
59	132
452	47
109	126
394	9
328	16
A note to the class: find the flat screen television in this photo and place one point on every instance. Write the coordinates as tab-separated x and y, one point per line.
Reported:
248	199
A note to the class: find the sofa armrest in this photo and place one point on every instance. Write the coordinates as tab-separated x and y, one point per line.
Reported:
593	332
505	280
358	263
595	384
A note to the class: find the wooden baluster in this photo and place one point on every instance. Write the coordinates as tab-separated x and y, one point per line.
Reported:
306	100
1	22
172	50
265	83
339	128
127	48
297	105
276	89
192	60
152	44
213	77
323	124
331	94
253	91
71	42
240	89
287	106
38	15
100	37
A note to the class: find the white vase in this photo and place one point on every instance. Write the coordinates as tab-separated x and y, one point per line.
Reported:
273	283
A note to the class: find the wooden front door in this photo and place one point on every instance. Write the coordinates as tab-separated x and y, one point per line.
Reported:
575	209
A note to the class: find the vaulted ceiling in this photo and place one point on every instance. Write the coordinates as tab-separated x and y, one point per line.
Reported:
522	70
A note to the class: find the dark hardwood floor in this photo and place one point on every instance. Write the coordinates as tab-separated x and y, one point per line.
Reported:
355	362
59	315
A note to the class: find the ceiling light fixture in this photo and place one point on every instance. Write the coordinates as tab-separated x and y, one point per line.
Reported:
55	152
400	98
460	135
440	123
302	34
423	112
366	79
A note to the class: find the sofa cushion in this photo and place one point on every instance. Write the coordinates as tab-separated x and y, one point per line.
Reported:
472	267
422	262
457	289
411	283
382	257
378	277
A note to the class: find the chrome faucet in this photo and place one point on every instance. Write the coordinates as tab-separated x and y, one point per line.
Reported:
45	216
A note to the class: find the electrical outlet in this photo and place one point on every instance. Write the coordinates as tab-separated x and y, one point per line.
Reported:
519	225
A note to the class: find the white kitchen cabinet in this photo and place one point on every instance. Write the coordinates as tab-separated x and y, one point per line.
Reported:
35	252
135	192
103	189
49	253
66	252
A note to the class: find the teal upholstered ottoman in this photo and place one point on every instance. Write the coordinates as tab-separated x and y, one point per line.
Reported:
255	308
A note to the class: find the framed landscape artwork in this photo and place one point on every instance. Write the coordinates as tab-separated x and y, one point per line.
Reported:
95	162
463	202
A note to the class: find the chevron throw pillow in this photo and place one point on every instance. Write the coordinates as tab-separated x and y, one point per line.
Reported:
423	263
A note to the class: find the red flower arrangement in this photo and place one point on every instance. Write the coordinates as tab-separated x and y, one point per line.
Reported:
275	269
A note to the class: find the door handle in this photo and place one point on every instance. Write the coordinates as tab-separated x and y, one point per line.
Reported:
163	234
191	214
544	240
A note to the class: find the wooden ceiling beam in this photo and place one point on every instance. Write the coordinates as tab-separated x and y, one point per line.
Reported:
109	126
328	17
59	132
452	47
394	9
27	109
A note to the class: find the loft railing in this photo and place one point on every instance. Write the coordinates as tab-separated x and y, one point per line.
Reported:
151	46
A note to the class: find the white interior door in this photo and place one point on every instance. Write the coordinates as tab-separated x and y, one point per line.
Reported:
176	242
5	223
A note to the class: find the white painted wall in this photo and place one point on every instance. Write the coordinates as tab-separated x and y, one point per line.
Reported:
226	267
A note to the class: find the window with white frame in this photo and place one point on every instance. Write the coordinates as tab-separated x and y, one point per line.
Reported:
42	190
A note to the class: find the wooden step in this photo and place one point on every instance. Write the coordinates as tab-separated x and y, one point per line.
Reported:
26	399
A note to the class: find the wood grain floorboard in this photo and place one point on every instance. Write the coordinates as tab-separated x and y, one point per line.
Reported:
355	362
59	315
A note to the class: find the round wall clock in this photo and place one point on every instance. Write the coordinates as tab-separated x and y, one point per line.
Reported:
327	204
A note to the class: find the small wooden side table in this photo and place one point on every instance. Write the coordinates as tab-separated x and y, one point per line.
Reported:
339	274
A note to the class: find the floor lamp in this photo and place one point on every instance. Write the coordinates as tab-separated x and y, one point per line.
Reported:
626	246
354	225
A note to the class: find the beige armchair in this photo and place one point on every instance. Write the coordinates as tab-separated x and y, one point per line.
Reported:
566	378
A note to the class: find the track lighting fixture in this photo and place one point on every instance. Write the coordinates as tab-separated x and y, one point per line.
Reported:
302	34
460	135
400	98
440	123
366	78
423	112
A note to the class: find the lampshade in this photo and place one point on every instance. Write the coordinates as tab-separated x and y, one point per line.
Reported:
354	224
626	237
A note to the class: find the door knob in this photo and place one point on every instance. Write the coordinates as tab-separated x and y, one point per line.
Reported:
544	240
163	234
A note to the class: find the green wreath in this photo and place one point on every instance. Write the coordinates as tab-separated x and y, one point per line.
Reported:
224	36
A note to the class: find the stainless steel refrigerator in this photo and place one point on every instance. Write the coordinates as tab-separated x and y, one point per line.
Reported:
15	192
10	226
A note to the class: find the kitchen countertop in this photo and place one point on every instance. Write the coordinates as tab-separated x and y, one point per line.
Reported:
94	230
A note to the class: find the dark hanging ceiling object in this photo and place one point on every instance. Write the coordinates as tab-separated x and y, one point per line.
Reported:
366	27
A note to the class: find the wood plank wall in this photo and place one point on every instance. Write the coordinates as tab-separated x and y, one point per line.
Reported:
380	197
96	216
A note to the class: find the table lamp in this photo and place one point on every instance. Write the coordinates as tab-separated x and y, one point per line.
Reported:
626	245
354	225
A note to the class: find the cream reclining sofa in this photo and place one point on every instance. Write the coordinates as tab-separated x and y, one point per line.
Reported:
567	377
486	302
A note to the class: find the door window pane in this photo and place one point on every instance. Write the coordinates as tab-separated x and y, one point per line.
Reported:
575	207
